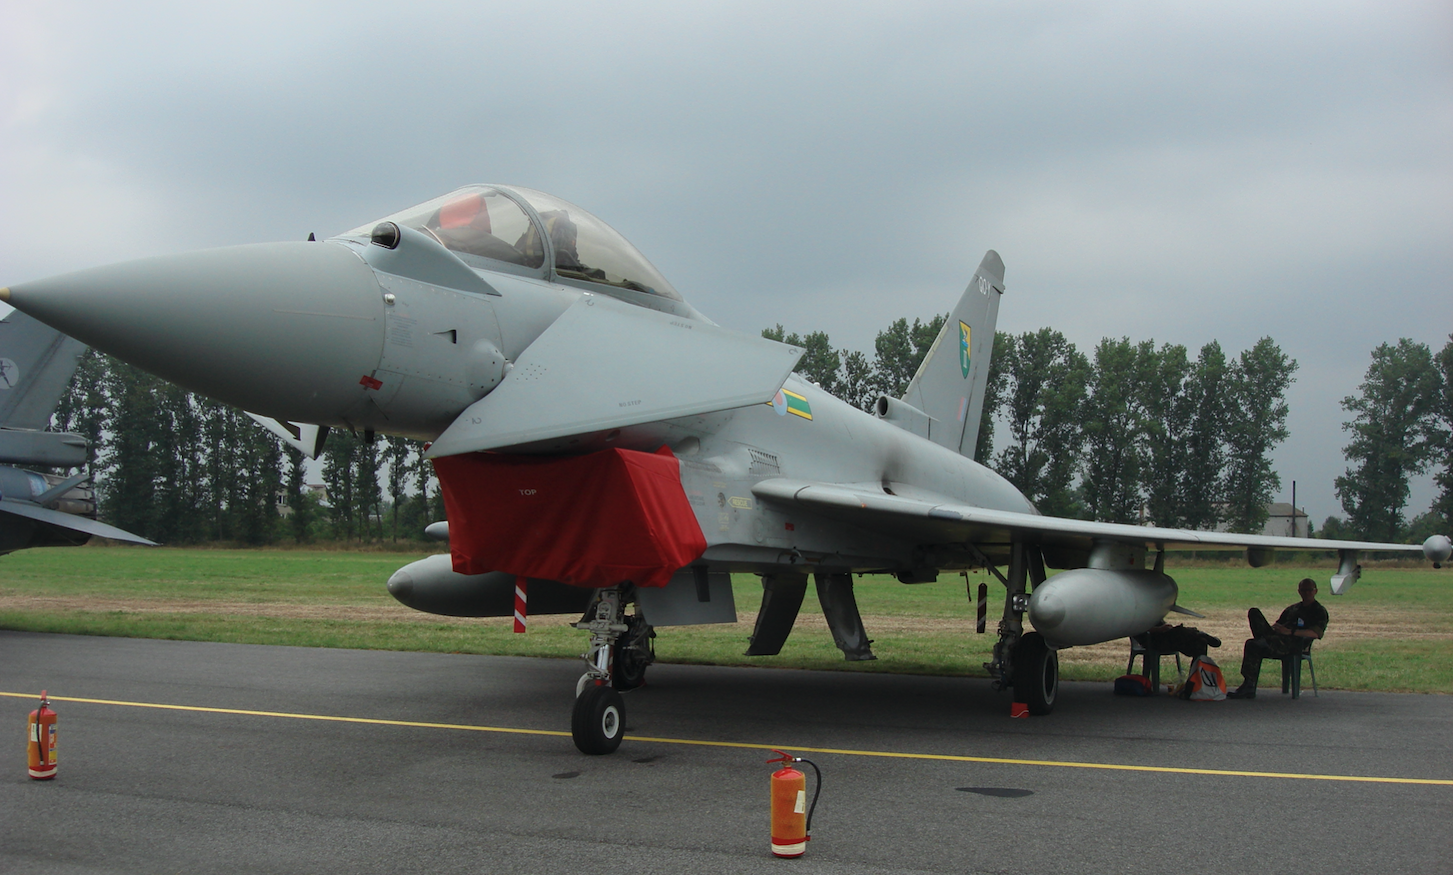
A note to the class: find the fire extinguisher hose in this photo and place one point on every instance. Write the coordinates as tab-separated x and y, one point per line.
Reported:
817	791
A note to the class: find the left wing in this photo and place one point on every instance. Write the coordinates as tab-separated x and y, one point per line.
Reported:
948	523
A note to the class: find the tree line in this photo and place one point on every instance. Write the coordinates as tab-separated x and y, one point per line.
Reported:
1129	432
179	468
1140	433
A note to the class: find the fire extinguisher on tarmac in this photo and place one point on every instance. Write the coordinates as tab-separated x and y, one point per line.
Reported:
791	815
40	748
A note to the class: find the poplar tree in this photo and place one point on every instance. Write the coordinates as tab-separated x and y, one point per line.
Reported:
1442	431
1205	390
993	398
304	508
857	386
1043	383
397	453
1256	418
1167	425
1394	433
1114	425
340	455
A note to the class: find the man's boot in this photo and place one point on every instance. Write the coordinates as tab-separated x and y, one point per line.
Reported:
1245	691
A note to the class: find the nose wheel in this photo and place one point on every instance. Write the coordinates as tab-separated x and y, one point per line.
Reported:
598	721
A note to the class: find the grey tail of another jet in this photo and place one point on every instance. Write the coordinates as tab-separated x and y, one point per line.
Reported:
36	364
950	384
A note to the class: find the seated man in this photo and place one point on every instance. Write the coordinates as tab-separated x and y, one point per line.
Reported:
1299	622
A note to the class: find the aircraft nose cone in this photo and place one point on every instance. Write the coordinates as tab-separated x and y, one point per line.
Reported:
284	329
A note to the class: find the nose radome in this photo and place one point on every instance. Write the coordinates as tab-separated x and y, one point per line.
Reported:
283	329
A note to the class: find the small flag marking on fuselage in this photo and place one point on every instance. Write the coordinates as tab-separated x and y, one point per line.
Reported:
786	401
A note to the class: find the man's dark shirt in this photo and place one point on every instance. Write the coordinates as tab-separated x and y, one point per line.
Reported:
1305	616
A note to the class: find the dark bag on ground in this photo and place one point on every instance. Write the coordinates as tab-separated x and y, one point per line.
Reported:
1132	685
1178	639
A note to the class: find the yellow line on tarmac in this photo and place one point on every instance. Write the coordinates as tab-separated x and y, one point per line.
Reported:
1114	767
322	717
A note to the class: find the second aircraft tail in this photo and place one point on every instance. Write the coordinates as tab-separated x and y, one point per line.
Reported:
949	386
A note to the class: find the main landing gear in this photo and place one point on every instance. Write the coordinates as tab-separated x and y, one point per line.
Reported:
1036	674
620	651
1023	660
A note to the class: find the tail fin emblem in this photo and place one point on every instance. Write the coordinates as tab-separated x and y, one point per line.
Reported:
964	348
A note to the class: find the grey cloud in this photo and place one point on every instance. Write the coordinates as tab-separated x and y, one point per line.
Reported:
1185	173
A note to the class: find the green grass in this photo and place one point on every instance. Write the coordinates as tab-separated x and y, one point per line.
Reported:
1396	625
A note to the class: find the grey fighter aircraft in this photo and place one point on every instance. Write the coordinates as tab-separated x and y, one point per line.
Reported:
40	509
604	447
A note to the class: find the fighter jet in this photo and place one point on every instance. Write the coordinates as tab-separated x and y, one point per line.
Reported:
604	447
39	509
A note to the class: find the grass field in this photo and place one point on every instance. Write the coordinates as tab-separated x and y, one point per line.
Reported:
1393	631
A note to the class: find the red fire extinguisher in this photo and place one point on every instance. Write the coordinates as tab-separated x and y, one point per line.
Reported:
40	749
791	815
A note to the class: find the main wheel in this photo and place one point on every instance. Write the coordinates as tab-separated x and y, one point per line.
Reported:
1036	674
598	721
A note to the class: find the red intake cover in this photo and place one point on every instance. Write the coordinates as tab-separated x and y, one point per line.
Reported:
594	520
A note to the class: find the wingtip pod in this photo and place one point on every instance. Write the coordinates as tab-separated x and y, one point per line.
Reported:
5	294
1438	548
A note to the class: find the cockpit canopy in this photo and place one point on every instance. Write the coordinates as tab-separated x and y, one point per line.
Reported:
531	229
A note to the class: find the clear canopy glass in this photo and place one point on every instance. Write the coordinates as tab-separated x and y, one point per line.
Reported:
484	222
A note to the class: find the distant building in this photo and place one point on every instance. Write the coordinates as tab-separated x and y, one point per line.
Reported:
315	489
1282	521
1285	521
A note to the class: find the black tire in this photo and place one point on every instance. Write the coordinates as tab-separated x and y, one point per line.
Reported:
1036	674
598	721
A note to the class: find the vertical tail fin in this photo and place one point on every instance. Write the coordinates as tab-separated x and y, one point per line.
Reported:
949	385
36	364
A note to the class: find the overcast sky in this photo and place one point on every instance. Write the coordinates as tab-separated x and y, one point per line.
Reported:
1170	171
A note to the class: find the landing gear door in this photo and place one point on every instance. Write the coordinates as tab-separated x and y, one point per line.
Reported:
678	603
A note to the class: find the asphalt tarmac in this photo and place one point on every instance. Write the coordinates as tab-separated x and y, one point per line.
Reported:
1104	784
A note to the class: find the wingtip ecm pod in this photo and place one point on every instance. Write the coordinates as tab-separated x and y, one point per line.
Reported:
1438	548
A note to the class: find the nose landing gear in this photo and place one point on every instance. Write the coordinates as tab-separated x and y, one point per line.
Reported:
620	650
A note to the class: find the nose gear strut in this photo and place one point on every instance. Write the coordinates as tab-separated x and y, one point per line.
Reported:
598	721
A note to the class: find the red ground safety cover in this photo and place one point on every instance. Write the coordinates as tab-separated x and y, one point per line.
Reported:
594	520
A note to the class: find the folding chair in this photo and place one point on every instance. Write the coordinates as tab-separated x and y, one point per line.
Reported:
1150	663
